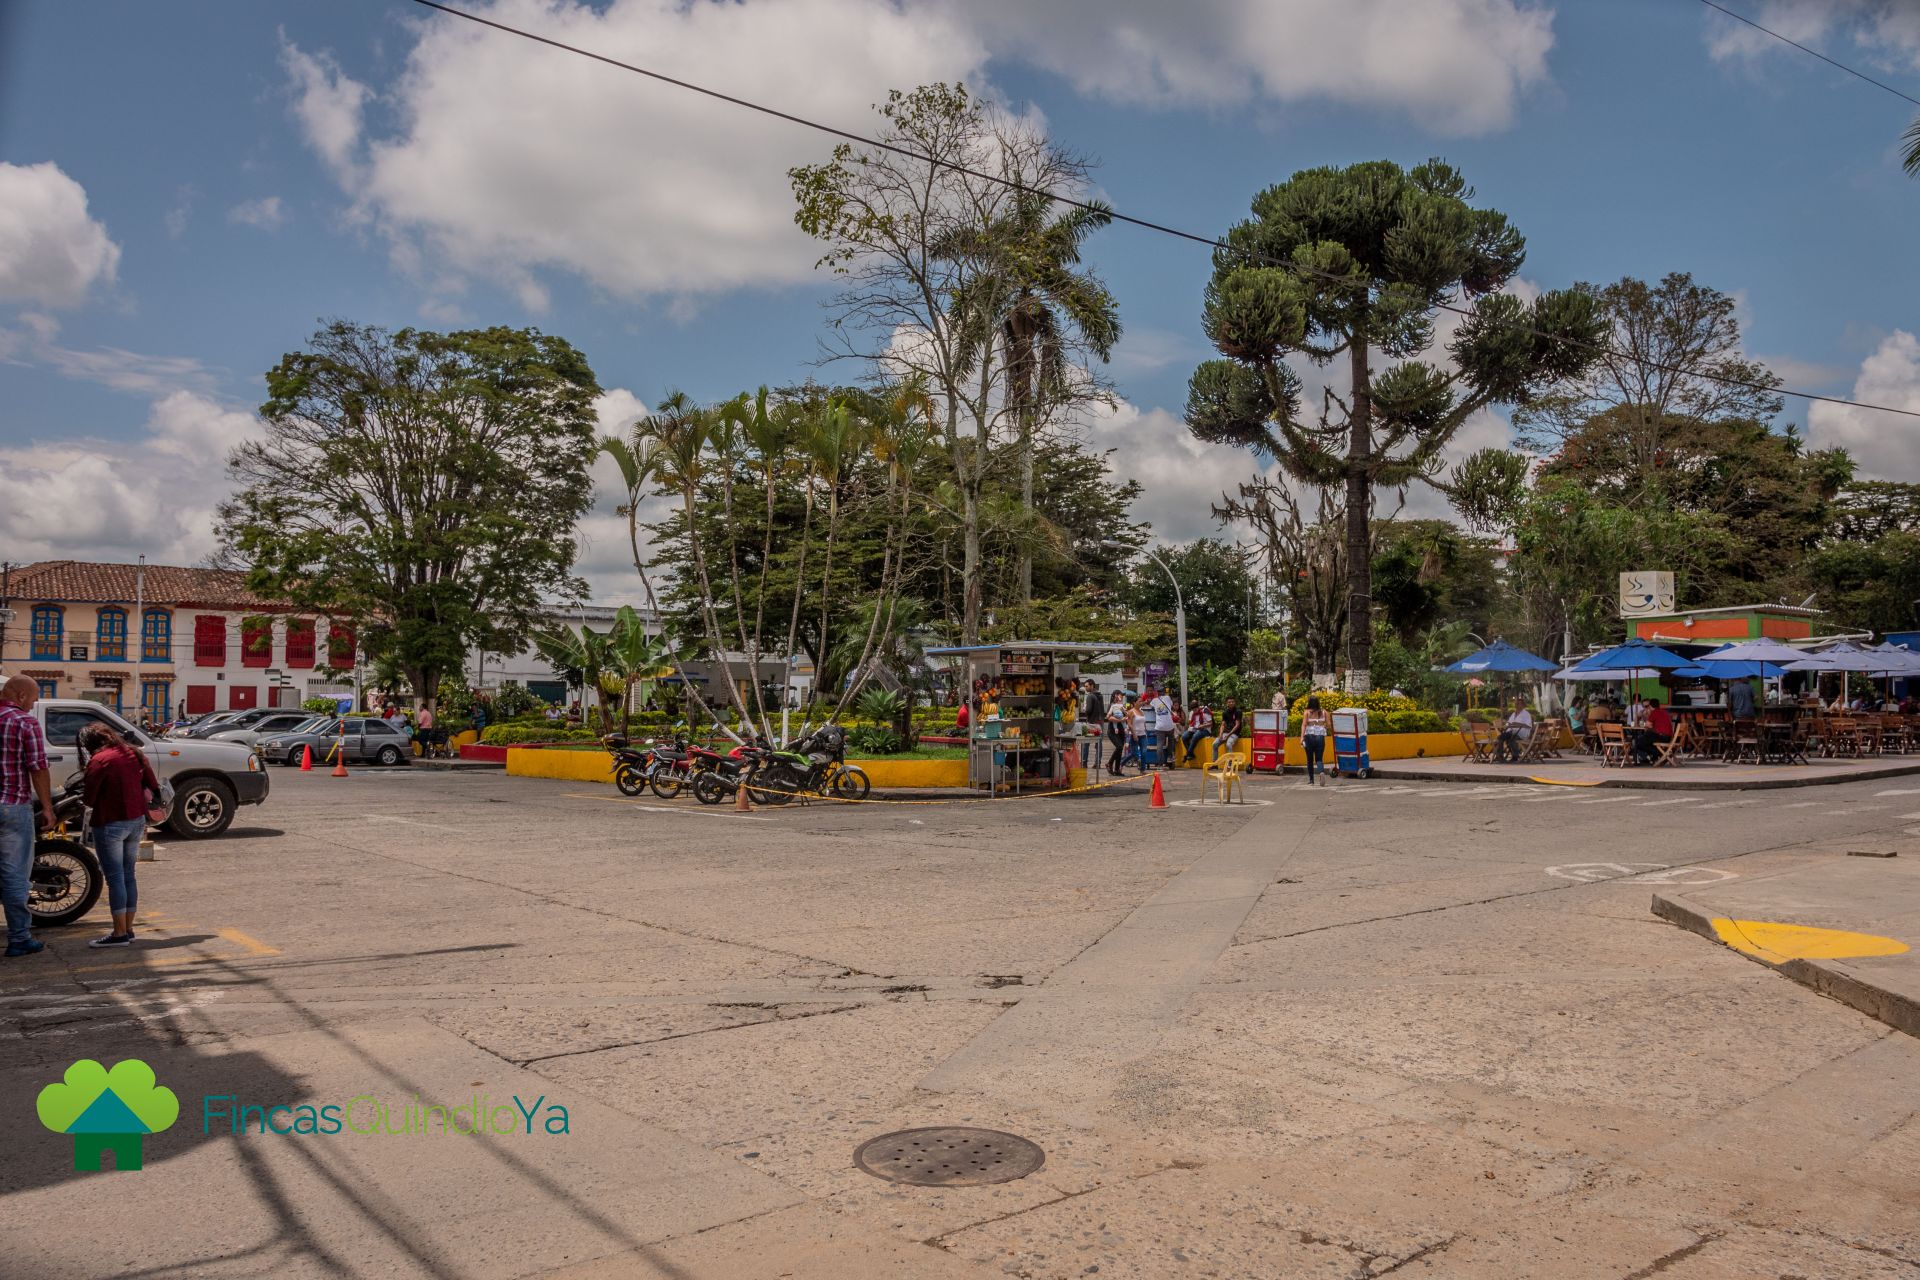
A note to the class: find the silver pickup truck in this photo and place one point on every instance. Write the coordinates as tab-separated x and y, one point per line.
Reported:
210	780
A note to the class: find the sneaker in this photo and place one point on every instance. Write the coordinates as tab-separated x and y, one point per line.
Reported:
32	946
113	940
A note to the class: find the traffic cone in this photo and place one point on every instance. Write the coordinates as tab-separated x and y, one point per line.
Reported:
340	764
306	758
742	803
1159	800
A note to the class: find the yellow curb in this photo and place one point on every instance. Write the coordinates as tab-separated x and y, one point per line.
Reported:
1560	782
1777	943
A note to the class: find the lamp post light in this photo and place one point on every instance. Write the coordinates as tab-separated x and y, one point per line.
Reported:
1179	609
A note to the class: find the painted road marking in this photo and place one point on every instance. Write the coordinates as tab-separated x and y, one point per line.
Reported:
1590	872
414	822
1686	876
1777	943
1608	800
1655	804
1900	791
1213	804
253	945
660	808
1804	804
1726	804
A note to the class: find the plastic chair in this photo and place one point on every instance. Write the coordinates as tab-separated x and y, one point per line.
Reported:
1225	773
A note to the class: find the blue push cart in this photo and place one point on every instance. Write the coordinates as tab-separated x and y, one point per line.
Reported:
1350	757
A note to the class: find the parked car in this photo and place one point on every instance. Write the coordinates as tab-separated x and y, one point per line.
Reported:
223	721
267	726
210	780
365	738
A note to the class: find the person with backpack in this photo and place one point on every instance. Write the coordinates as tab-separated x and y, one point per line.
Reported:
124	795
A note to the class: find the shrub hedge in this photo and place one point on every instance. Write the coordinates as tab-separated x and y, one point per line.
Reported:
513	735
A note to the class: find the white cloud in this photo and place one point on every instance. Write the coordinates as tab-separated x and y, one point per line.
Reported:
606	551
512	158
264	214
1887	32
1886	445
328	104
51	251
1456	66
1180	477
508	159
101	499
130	371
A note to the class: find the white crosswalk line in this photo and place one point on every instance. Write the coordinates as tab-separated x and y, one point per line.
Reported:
1654	804
1804	804
1726	804
1608	800
1900	791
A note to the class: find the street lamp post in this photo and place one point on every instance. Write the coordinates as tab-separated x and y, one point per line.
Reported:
1179	610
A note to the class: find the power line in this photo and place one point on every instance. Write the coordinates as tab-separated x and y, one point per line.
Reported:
1858	75
1117	216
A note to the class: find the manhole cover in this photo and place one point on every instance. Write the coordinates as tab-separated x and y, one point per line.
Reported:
949	1156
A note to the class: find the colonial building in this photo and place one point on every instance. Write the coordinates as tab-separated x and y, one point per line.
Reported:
164	640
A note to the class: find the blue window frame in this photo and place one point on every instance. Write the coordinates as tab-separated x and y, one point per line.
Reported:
155	697
48	689
156	636
49	630
110	635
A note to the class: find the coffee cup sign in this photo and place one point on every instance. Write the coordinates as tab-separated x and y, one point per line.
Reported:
1645	592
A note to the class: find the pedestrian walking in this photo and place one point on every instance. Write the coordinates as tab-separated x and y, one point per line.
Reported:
1314	724
1116	731
124	795
23	780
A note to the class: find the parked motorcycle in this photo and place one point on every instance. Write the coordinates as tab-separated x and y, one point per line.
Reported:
633	766
66	879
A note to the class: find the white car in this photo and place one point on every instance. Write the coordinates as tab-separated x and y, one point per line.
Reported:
265	727
210	780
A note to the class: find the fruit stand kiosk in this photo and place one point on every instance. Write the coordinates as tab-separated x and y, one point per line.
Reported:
1022	737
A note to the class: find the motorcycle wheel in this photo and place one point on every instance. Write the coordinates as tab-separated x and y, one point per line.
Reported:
850	782
66	882
666	784
629	781
709	789
775	785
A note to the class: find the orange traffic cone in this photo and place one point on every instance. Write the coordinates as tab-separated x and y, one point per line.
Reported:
306	758
742	803
340	763
1159	800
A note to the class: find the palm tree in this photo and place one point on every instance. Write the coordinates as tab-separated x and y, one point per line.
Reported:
1037	300
631	657
579	660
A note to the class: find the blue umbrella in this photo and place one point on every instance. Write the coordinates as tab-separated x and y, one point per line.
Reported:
1634	655
1500	656
1735	668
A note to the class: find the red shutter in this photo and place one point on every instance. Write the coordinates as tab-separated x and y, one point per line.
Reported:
340	647
256	642
199	699
242	697
300	643
209	640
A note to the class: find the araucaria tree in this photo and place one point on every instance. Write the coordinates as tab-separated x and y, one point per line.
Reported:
1353	264
963	286
424	484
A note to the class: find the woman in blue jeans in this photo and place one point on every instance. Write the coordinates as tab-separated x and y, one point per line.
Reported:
1313	740
124	795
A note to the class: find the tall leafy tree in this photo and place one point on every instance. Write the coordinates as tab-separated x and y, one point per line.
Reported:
912	230
1351	265
1219	590
1671	355
426	484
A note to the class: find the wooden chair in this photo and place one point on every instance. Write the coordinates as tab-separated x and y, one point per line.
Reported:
1678	745
1479	738
1225	773
1613	743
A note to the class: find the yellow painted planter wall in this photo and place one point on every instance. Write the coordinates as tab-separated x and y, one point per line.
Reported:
574	766
914	773
1380	746
595	766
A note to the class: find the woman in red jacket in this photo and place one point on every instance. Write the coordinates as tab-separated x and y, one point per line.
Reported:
124	795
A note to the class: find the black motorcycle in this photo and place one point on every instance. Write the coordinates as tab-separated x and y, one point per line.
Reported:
66	879
632	766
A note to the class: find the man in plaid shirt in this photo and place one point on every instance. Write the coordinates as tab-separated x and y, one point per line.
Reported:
23	777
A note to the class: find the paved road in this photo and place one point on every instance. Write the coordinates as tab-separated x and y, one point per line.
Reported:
1420	1029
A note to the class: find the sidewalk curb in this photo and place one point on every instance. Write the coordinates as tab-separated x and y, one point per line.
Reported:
1635	779
1831	978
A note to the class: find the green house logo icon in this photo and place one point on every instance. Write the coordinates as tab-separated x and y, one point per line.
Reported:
107	1110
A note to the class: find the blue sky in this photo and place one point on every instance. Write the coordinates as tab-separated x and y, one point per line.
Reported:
260	166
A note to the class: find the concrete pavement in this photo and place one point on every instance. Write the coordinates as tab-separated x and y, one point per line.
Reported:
1353	1030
